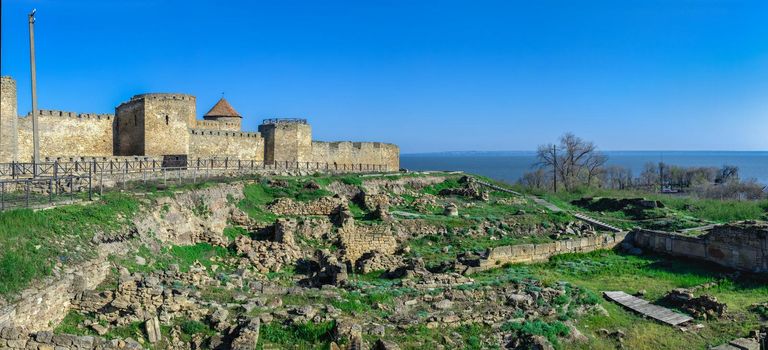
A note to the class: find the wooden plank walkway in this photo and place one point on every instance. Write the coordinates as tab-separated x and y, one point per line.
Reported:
645	308
596	222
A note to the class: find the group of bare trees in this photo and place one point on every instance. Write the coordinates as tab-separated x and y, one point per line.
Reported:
576	163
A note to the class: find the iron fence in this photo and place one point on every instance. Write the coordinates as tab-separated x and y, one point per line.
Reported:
44	191
17	170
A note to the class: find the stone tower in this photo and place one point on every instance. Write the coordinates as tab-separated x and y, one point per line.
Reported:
286	140
9	119
227	116
154	125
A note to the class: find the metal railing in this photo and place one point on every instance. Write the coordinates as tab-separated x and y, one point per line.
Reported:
44	191
55	169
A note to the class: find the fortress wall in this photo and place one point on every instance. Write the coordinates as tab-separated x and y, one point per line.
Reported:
129	128
66	133
220	144
346	152
8	120
217	125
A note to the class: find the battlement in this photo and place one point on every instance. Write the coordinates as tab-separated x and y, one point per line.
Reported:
204	132
154	124
65	114
216	124
275	121
357	145
163	96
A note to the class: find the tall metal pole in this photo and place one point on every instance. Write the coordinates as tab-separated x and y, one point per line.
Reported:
554	165
35	131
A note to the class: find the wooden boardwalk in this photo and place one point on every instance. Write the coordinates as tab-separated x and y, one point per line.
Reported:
641	306
596	222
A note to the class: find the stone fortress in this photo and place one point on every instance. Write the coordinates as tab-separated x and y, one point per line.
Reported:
159	124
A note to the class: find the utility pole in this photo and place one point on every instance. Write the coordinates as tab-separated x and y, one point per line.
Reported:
554	166
35	129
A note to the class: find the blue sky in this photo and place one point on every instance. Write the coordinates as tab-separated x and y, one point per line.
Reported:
427	75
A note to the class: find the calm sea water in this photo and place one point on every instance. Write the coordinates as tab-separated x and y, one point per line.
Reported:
509	166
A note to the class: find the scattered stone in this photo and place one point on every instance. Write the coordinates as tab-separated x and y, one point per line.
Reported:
152	327
451	210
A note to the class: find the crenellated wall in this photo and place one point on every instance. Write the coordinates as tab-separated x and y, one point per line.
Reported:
357	153
66	133
160	124
232	144
209	124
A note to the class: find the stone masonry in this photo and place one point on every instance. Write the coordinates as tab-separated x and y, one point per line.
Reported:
743	246
163	124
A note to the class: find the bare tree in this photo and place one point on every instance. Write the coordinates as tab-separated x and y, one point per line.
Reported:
574	162
727	173
618	178
537	179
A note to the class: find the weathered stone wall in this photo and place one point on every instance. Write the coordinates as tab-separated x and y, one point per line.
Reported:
65	134
322	206
167	119
739	246
41	308
357	240
8	120
219	123
233	144
129	128
357	153
524	253
287	142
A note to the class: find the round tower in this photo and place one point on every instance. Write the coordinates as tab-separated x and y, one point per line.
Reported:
223	113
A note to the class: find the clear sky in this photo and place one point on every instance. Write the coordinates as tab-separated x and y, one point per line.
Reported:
427	75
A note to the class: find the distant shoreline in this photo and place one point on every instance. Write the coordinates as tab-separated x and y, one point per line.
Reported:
509	166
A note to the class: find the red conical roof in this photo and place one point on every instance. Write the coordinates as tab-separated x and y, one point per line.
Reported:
222	109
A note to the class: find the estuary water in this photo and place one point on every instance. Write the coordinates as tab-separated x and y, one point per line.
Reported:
510	166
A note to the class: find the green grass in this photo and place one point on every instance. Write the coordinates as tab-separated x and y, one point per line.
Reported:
34	241
193	327
709	210
233	232
71	325
450	182
184	256
301	336
430	248
551	330
258	195
600	271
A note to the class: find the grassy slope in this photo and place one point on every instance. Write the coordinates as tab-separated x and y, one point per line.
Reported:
34	241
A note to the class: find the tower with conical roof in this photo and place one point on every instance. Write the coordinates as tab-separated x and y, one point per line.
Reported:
223	112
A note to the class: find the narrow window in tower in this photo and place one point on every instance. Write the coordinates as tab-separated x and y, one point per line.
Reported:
135	120
166	119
